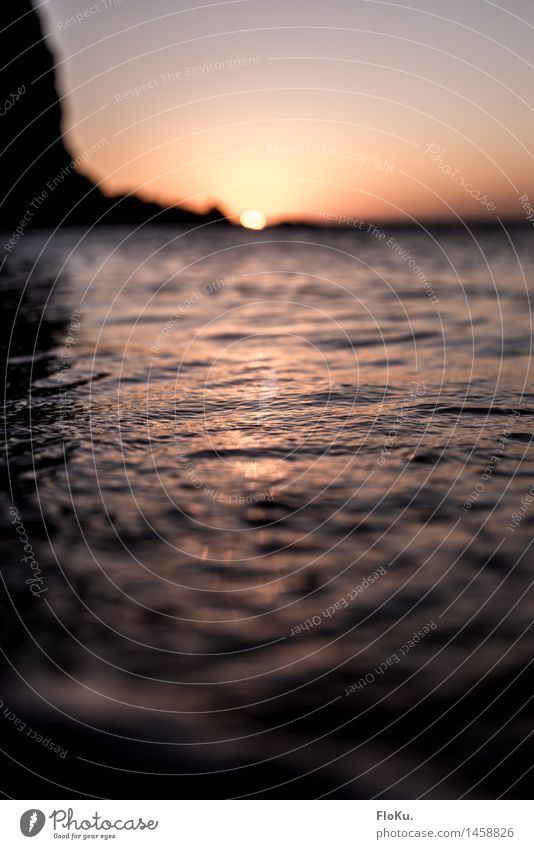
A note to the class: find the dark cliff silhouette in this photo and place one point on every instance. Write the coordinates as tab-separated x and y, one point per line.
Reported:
33	156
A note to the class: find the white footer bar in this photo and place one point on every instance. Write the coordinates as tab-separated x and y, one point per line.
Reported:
268	824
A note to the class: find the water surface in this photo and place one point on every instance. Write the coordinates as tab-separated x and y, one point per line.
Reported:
251	467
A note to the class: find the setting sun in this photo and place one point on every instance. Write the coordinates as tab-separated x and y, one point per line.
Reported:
254	219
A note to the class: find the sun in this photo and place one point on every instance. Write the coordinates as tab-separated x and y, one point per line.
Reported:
254	219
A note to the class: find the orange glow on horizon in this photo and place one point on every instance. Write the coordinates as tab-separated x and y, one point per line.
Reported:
253	219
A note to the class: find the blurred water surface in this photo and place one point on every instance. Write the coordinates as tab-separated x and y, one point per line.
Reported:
242	460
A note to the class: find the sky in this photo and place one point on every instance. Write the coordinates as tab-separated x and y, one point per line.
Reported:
311	109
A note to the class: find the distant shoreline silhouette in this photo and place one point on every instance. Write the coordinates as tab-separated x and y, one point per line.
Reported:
40	184
39	181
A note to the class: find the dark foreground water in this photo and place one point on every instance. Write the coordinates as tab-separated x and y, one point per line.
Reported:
274	492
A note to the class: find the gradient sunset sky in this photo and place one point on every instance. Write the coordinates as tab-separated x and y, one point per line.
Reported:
297	107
